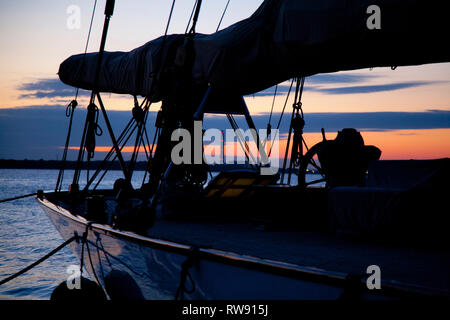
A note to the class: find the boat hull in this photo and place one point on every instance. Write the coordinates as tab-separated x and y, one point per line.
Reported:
131	266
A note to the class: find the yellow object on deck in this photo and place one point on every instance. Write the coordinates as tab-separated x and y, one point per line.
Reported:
235	184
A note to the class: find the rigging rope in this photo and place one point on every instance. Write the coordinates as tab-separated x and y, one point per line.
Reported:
140	114
196	14
126	134
223	14
152	148
111	151
190	18
240	138
69	113
297	124
92	130
85	242
87	41
281	116
71	108
18	197
48	255
168	22
273	103
162	62
285	104
91	126
269	125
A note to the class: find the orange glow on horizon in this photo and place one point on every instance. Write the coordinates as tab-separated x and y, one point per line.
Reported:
411	144
395	144
400	144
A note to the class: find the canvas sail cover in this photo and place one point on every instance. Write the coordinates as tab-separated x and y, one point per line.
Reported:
281	40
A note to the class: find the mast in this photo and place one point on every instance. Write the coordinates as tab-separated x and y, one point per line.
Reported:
91	125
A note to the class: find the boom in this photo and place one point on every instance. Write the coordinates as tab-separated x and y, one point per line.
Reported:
281	40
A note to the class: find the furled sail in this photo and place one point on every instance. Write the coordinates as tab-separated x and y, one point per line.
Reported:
282	39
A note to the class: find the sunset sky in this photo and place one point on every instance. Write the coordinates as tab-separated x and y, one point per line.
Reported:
405	112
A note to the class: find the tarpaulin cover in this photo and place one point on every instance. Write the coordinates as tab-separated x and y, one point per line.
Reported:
281	40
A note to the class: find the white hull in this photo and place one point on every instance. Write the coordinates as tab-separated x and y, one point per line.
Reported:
128	265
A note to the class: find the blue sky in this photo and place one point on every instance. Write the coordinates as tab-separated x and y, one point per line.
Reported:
35	40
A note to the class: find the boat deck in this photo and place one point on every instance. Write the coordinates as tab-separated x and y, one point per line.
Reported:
424	267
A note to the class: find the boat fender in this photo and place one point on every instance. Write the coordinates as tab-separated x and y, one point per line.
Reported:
121	286
88	291
353	288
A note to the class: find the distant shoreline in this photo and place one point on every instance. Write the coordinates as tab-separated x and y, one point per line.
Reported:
56	164
93	165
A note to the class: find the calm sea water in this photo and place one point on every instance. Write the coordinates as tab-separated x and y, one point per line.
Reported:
26	234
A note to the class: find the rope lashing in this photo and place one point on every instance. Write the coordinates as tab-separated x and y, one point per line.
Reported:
297	116
185	266
48	255
137	112
92	130
298	123
70	109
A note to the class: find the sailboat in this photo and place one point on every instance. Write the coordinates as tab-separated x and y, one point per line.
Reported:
366	229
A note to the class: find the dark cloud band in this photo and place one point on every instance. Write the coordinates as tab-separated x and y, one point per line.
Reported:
48	88
38	131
